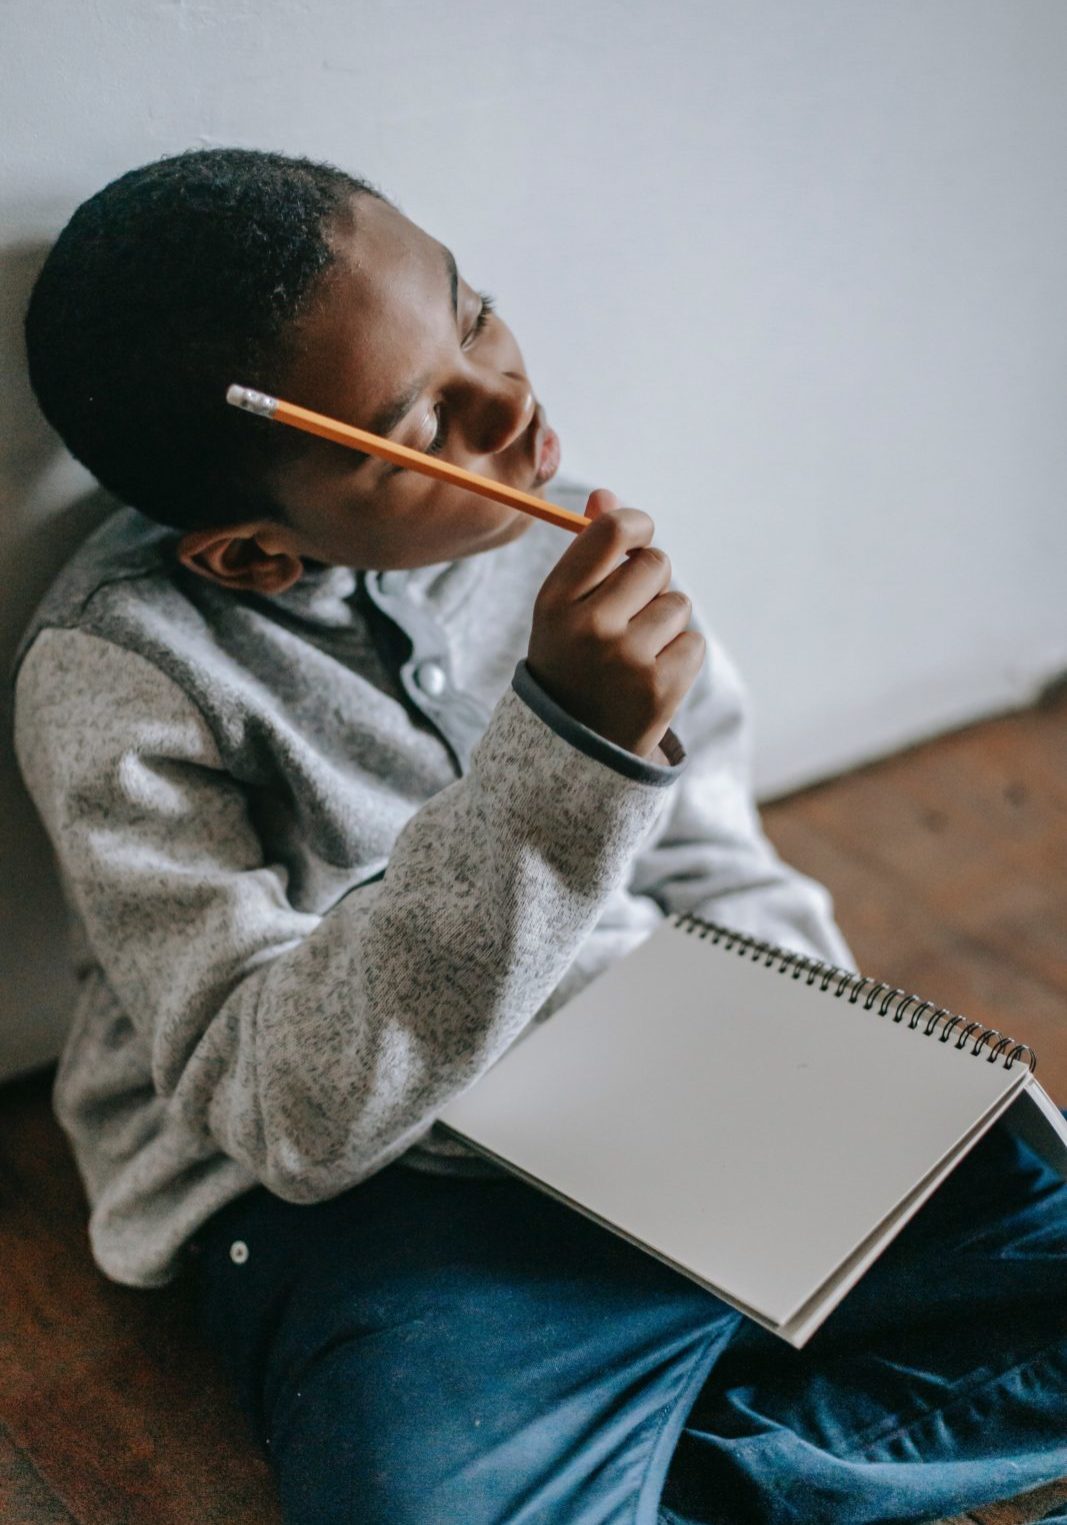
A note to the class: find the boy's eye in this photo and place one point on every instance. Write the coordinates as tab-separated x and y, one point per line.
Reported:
438	441
487	308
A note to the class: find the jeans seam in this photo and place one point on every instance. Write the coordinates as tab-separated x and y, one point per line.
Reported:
666	1414
986	1383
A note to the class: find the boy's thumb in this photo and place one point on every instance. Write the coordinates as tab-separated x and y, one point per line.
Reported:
601	501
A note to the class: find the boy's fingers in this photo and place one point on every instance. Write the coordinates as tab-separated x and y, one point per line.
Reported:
633	588
684	656
601	500
593	553
659	623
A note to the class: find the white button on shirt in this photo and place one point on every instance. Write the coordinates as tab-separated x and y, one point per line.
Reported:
431	677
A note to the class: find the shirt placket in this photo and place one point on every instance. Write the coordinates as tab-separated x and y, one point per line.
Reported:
426	675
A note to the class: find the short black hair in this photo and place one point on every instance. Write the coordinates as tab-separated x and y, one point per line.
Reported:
173	281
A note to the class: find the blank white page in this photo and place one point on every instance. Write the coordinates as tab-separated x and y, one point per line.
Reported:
747	1126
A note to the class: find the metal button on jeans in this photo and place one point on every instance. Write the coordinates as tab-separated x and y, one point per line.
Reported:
238	1252
430	676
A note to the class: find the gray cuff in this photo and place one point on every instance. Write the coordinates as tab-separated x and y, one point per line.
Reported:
592	743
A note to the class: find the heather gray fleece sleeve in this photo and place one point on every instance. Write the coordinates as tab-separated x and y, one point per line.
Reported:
313	1049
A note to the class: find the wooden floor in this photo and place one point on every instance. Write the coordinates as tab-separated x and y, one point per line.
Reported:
949	869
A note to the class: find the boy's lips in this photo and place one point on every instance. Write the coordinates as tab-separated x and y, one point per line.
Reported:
548	463
546	450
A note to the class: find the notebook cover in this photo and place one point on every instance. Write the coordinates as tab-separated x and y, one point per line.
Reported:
751	1129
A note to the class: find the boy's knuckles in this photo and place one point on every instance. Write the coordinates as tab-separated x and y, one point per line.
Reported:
674	602
664	684
626	527
595	625
613	534
651	558
693	648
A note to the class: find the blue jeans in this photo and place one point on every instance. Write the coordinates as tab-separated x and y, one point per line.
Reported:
427	1350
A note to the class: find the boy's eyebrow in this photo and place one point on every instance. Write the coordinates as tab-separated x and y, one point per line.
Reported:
387	418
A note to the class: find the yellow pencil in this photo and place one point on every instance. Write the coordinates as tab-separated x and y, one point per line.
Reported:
400	455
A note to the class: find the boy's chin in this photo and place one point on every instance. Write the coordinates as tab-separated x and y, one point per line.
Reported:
505	533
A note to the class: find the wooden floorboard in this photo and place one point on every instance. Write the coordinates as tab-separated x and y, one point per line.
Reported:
948	865
24	1495
107	1394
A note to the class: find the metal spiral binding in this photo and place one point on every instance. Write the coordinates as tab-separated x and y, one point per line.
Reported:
894	1001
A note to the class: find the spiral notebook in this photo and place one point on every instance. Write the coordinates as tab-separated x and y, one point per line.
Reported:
764	1123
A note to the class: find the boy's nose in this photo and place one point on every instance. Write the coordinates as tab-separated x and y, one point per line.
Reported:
506	413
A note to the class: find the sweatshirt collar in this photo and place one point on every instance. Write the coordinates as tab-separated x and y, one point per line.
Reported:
326	594
322	596
442	587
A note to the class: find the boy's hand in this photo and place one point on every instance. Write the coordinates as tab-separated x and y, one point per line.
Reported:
611	646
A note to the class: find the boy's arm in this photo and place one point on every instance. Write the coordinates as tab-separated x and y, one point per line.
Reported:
708	853
313	1049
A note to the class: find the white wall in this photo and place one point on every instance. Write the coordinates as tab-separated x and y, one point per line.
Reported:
788	274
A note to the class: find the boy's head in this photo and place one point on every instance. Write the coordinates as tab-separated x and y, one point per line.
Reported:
222	265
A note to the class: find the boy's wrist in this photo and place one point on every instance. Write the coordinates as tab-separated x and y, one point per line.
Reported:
661	767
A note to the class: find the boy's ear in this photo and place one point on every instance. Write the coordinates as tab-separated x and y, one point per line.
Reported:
241	556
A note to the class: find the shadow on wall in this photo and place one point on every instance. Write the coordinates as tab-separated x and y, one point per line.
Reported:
48	504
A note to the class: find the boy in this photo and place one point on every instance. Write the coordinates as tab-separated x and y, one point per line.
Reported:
352	777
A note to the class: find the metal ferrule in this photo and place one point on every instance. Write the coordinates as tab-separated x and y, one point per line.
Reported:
252	402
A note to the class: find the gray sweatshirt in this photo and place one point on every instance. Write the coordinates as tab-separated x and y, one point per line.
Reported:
328	853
